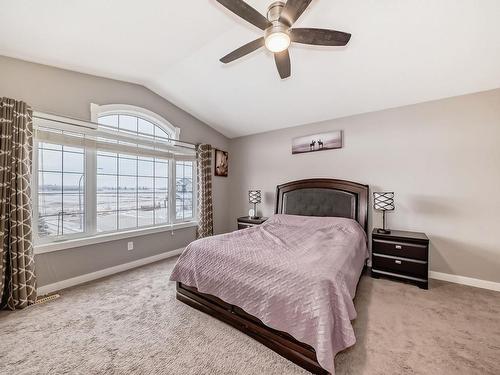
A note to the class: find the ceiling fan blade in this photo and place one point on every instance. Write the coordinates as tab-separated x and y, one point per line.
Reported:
243	50
282	60
245	11
293	10
319	37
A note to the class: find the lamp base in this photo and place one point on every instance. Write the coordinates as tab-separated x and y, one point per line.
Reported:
255	217
383	231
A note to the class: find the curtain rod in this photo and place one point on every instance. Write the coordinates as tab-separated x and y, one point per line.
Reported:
94	125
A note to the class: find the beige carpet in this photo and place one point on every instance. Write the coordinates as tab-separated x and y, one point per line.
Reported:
131	323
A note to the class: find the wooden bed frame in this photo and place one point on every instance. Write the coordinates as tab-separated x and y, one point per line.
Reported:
281	342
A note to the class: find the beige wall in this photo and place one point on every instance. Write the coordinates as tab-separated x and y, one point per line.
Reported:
64	92
441	158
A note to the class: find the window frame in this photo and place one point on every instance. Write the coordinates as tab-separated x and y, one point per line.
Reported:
90	234
97	111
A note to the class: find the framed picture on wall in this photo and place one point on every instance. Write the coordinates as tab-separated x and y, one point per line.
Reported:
317	142
221	163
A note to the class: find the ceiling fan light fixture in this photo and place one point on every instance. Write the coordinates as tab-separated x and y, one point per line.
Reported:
277	38
277	42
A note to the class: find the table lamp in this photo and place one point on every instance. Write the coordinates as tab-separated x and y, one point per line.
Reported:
254	196
383	201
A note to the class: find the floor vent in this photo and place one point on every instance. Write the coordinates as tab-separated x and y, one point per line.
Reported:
46	299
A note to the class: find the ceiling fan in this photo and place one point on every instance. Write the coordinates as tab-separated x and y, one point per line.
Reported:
278	33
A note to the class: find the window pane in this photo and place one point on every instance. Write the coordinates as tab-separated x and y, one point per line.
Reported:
107	193
73	162
145	184
145	167
49	203
107	184
73	218
73	183
49	226
127	184
107	221
161	198
179	169
161	184
146	209
146	127
111	120
127	201
145	218
161	216
107	164
50	160
73	223
127	165
181	184
74	203
128	123
188	208
184	190
107	202
179	213
49	182
49	193
145	201
161	169
160	133
127	219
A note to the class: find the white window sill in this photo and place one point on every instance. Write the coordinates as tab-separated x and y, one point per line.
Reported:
78	242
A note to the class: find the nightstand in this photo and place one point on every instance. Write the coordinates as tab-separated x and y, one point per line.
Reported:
401	255
247	222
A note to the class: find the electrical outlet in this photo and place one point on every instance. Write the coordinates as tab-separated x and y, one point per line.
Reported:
130	246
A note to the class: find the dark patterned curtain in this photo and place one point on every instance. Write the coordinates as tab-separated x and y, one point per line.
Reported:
204	183
17	276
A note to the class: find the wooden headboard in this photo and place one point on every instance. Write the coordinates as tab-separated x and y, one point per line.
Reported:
324	197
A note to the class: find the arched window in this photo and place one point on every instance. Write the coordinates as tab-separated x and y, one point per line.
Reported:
137	191
125	173
133	120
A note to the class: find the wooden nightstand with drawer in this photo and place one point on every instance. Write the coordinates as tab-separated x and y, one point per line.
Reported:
401	255
247	222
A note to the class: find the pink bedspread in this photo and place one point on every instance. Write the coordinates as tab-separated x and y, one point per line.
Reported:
297	274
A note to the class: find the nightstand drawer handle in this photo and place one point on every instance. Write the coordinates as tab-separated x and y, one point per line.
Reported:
399	247
397	261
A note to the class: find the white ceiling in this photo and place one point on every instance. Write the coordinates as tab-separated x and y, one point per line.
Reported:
402	52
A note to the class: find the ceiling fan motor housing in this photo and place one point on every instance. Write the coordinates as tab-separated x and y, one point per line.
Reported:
276	28
277	37
274	11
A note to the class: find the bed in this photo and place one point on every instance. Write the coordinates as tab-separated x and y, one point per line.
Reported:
290	282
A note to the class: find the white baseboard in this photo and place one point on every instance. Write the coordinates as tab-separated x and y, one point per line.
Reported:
478	283
63	284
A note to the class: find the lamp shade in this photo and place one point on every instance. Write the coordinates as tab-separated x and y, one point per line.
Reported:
383	201
254	196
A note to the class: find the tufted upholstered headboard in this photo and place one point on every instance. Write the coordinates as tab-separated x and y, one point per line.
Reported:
324	197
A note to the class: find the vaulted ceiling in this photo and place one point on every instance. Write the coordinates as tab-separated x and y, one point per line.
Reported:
401	52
